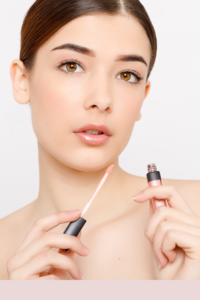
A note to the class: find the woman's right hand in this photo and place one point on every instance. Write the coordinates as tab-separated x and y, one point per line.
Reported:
35	259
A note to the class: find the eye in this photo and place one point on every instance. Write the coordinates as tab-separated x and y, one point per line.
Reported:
130	77
70	66
73	66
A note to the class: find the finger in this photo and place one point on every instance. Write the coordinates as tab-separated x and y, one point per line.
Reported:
42	262
170	214
161	231
79	235
47	223
151	208
188	242
169	193
70	253
45	242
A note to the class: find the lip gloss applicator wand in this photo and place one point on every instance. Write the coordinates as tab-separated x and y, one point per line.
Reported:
75	227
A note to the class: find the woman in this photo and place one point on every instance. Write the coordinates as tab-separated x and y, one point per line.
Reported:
84	69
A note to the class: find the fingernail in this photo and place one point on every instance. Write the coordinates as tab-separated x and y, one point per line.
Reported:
81	275
137	197
86	250
74	212
134	198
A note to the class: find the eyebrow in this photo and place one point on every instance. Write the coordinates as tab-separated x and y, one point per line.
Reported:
86	51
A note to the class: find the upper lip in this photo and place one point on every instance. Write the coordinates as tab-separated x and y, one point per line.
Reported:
99	127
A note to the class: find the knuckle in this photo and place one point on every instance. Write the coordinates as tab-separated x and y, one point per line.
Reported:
172	188
38	222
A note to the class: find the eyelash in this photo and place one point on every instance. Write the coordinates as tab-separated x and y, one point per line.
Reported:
80	65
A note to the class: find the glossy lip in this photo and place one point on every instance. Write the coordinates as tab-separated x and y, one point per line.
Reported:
92	139
97	127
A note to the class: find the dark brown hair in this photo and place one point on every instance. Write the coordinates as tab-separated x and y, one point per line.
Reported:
46	17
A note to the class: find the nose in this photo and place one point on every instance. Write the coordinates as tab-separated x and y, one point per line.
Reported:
99	97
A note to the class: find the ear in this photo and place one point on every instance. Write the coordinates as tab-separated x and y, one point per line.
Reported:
147	88
18	74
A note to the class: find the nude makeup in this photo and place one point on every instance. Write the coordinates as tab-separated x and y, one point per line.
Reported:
154	179
93	134
75	227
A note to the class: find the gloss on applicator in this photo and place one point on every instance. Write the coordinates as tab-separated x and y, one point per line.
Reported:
154	179
75	227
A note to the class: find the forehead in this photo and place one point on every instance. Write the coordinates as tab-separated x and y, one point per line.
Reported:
104	34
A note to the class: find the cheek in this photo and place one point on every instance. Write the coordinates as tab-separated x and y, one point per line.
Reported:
129	107
51	98
128	110
53	104
133	109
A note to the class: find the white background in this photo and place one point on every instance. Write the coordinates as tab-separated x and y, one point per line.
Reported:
168	133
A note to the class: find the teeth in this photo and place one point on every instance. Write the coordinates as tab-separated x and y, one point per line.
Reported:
93	132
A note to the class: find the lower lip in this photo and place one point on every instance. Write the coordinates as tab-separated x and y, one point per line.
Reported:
92	139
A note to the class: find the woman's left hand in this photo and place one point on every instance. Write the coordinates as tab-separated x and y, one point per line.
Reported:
174	232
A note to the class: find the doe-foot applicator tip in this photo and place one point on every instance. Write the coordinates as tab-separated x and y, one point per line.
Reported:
109	170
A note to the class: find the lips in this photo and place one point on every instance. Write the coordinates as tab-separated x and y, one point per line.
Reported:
94	139
100	128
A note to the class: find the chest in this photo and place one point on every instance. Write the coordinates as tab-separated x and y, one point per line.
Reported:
117	252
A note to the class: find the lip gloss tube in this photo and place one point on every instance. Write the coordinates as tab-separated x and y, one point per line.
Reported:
75	227
154	179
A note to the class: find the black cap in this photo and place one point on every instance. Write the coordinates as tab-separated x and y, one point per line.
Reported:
153	176
74	228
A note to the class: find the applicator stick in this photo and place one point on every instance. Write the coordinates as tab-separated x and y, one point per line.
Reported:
75	227
108	171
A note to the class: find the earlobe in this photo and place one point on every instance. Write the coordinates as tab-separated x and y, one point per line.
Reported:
19	82
147	89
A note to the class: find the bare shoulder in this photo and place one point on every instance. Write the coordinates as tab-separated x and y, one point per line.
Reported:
189	190
13	230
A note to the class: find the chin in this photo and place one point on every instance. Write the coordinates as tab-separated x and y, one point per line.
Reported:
87	164
85	159
90	166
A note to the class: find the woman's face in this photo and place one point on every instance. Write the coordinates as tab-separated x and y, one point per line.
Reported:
91	88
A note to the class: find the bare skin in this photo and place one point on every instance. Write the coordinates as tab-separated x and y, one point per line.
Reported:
118	248
70	170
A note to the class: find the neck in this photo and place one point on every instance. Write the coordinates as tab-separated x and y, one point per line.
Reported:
63	188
